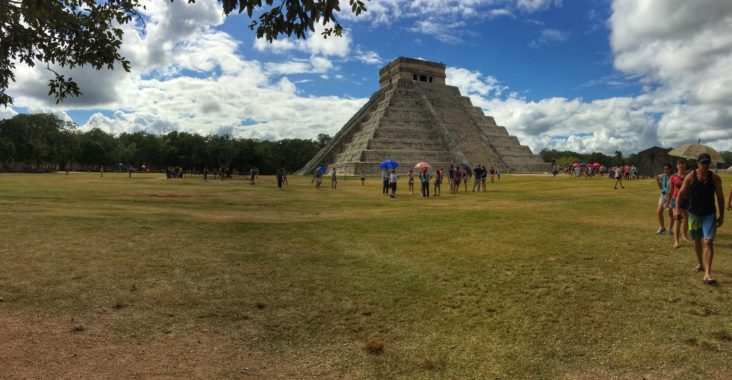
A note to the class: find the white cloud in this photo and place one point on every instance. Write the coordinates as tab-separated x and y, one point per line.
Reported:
187	76
684	51
536	5
369	57
314	44
445	32
473	82
445	20
276	46
7	113
548	36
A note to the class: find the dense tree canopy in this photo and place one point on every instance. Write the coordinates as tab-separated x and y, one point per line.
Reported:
42	141
71	33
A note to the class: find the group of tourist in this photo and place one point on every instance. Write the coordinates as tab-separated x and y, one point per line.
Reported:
456	176
689	199
623	171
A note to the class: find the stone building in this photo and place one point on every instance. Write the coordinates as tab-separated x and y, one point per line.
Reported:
415	116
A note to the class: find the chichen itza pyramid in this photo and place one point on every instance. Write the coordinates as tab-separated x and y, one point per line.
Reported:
415	117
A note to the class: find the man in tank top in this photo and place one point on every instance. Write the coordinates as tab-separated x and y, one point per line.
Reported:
701	186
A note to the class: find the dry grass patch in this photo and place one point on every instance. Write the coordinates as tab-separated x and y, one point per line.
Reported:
567	275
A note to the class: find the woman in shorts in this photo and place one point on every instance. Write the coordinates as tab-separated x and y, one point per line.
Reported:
683	218
410	181
439	174
664	183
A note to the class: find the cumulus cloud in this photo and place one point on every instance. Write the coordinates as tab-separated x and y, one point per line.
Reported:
314	44
474	82
684	51
187	76
621	123
681	52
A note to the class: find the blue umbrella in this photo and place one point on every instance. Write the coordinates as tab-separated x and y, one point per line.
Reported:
321	169
388	164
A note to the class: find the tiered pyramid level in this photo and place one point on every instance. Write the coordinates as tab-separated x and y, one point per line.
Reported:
415	117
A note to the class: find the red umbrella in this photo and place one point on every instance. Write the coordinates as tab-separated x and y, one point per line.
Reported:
596	165
576	164
422	164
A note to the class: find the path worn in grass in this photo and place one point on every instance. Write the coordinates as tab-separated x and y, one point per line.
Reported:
538	278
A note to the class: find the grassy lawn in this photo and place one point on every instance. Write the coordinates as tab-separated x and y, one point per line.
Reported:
539	277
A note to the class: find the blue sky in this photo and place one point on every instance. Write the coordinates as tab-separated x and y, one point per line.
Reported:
595	75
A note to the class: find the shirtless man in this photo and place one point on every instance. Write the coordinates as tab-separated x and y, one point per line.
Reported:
701	186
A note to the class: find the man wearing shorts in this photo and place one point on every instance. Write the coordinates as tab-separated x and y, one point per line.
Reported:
478	175
701	186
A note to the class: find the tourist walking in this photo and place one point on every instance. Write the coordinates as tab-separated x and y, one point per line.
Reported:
333	180
205	173
680	221
451	178
498	174
477	176
393	179
701	186
493	174
619	177
280	178
424	179
317	178
410	181
664	182
363	178
252	176
439	176
384	182
101	171
465	180
484	179
458	180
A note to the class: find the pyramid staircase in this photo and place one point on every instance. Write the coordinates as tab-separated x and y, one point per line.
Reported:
410	121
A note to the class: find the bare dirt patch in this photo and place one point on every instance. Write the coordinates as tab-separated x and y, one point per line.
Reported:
44	347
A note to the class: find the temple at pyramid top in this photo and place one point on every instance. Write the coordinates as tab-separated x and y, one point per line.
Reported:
415	116
411	69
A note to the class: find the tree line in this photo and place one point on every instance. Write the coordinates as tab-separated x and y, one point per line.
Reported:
565	158
43	142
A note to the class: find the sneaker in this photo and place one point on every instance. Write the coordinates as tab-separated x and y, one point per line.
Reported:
661	230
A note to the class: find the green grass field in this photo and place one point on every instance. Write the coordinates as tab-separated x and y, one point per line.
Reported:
537	278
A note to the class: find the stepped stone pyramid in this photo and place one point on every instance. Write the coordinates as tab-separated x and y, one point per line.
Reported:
415	117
